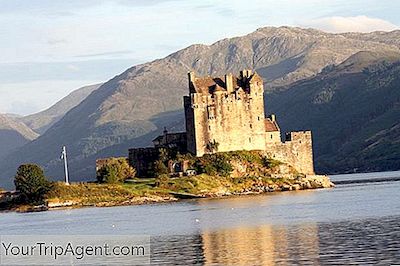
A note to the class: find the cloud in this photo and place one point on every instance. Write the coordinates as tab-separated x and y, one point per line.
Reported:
338	24
73	68
112	53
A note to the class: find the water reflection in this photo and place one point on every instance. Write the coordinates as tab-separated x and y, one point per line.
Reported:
373	241
264	245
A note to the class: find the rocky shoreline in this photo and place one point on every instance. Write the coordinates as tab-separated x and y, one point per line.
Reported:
304	183
308	182
294	184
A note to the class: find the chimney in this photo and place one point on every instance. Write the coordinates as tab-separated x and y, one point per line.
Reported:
229	83
272	117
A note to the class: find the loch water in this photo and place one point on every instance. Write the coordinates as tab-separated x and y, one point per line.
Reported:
357	222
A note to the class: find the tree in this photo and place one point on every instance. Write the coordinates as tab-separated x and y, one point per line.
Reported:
160	168
31	183
162	181
115	170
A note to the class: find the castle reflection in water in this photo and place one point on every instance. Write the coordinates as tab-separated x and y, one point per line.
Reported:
261	245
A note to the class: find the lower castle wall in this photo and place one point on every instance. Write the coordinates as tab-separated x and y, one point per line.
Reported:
296	151
141	159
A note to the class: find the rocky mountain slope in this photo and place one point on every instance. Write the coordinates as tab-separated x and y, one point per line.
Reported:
13	135
353	110
133	107
42	121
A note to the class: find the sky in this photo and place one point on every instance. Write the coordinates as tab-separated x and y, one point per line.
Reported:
51	47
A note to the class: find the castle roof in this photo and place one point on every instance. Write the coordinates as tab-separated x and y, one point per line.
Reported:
271	126
209	85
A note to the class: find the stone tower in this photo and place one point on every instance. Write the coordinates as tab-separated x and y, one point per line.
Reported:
225	114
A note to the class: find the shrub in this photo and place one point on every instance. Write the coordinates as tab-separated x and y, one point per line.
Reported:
31	183
159	168
247	156
214	164
162	180
270	163
115	170
212	146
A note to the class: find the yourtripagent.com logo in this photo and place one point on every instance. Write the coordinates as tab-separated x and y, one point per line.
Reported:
75	250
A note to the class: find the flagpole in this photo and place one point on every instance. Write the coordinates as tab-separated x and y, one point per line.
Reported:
64	155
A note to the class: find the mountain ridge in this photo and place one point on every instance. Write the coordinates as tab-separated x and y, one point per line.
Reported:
43	120
13	134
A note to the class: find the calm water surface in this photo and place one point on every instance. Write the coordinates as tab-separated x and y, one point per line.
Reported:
351	224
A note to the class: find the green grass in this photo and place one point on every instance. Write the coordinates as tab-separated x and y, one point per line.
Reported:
92	193
218	181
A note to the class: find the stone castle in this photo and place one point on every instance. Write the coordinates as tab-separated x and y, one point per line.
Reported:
227	114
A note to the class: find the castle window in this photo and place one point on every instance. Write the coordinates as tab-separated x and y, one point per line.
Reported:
251	126
209	127
250	140
258	118
271	136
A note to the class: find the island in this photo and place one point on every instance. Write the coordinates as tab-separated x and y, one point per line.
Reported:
229	148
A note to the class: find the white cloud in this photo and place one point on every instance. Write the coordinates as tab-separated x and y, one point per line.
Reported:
351	24
73	68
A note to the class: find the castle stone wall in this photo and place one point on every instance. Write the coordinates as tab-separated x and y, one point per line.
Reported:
296	151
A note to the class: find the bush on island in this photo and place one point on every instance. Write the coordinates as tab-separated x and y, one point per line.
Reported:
31	183
115	170
160	168
162	181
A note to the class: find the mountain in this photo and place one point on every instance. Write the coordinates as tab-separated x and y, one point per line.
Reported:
42	121
135	105
353	110
13	134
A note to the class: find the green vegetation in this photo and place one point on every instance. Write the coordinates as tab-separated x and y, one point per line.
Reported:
162	180
115	170
31	183
220	164
214	164
270	163
212	146
217	174
159	168
94	193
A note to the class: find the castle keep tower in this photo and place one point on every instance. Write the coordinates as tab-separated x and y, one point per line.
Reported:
225	114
